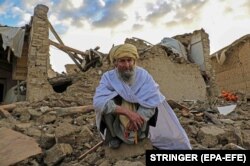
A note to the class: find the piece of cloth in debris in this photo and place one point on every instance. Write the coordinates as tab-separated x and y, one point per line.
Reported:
144	91
174	45
13	37
123	50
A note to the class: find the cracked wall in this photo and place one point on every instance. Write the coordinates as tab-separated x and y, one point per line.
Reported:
233	73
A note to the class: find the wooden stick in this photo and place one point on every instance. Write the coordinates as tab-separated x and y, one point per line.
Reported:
74	110
136	137
212	118
8	107
97	53
90	150
7	115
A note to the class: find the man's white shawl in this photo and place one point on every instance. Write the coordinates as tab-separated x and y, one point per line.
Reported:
168	133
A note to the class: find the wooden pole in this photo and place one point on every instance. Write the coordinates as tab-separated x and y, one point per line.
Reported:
74	110
8	107
61	42
90	150
66	48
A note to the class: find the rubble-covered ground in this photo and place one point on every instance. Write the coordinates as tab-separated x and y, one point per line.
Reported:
65	129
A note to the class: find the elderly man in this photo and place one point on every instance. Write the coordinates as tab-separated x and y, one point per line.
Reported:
128	100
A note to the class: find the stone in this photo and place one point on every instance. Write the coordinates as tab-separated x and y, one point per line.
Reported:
209	135
47	140
25	116
46	119
44	109
128	163
64	133
104	163
33	132
57	153
126	151
22	126
246	138
85	135
227	121
34	113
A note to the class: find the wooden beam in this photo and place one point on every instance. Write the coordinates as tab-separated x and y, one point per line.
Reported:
61	42
4	113
74	110
66	48
8	107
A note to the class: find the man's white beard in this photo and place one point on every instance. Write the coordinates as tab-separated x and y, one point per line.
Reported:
128	75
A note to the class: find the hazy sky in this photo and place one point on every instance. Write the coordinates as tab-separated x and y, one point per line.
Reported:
85	24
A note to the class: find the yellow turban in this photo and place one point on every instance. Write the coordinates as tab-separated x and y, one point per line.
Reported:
123	50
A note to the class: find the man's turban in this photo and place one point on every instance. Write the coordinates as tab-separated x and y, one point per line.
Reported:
123	50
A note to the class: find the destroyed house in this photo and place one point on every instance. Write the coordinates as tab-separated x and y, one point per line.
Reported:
25	70
178	64
181	72
24	59
232	66
13	60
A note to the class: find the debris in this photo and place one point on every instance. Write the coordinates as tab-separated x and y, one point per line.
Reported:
212	118
57	153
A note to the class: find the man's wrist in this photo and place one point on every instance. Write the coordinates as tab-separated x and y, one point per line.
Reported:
119	110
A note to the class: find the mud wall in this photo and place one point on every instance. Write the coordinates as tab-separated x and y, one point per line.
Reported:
234	73
177	81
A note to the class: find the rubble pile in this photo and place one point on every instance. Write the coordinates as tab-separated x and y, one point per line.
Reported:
65	133
63	124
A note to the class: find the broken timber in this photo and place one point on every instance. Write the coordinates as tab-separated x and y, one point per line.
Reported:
66	48
89	58
74	110
8	107
61	42
90	150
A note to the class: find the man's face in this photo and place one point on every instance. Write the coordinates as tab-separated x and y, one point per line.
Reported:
125	67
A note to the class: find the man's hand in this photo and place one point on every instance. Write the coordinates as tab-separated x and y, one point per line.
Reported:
136	120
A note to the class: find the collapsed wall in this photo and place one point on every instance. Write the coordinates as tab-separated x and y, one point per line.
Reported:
231	66
198	49
178	81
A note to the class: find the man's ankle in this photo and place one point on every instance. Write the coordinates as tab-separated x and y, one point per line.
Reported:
115	143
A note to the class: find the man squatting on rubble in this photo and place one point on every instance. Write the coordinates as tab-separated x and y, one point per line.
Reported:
128	100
